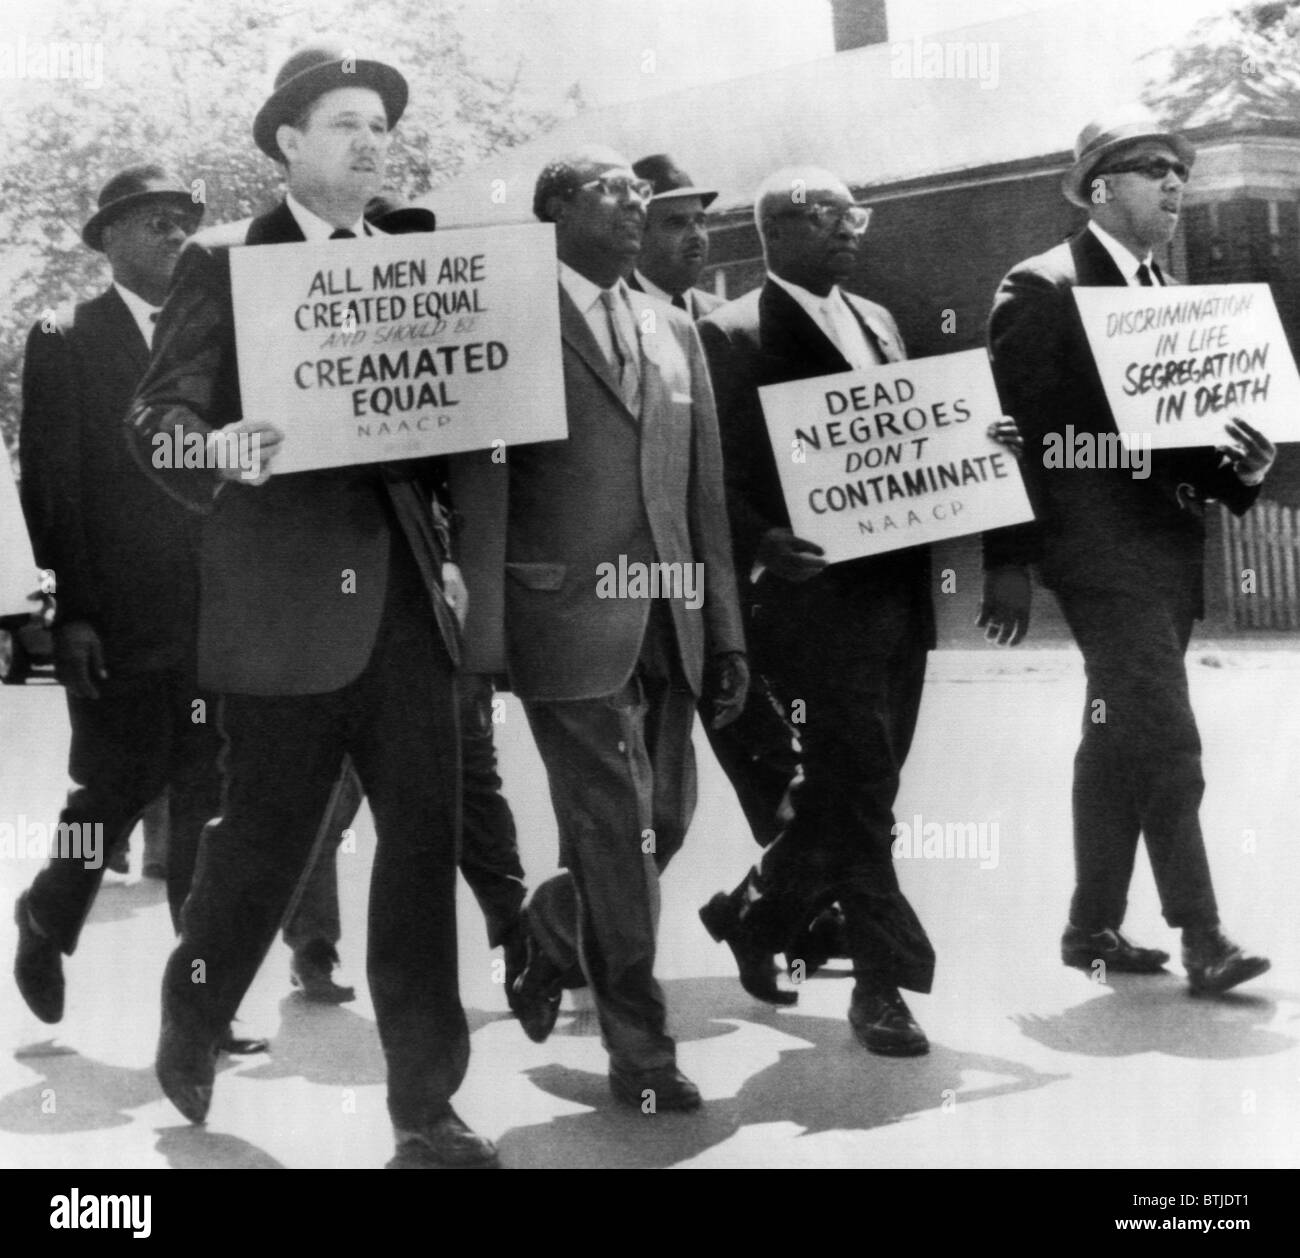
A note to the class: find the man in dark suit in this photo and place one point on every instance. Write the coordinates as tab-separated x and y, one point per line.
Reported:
1124	556
324	625
489	849
756	751
847	642
609	672
124	559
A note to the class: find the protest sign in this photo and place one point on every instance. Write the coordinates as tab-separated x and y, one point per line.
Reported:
1178	362
893	456
393	347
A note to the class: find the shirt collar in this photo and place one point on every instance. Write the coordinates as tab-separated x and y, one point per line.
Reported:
141	311
584	292
1122	255
653	290
313	227
805	297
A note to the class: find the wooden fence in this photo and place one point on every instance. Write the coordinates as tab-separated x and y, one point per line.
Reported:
1261	553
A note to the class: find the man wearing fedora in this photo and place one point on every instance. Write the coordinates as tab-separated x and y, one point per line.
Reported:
675	247
313	668
124	558
489	848
1123	556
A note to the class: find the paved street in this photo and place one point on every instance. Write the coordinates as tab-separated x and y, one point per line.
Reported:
1031	1064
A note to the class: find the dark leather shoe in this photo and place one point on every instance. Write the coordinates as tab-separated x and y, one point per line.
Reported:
669	1089
310	971
241	1046
823	939
1214	963
884	1024
38	966
186	1067
445	1142
535	995
1082	949
757	969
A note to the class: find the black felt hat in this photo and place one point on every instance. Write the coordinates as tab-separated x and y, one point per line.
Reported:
136	185
310	73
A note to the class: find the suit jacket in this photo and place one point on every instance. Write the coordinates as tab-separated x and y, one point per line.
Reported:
638	488
766	337
1094	528
275	616
123	553
699	302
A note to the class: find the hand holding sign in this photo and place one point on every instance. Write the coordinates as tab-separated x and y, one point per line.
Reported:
1252	455
789	557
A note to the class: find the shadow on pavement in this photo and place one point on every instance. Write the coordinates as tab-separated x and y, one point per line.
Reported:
76	1093
330	1044
1154	1014
189	1148
827	1082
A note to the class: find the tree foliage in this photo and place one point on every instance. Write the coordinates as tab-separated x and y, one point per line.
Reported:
181	84
1240	67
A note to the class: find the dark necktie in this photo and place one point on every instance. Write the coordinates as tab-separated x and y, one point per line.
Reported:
680	301
1144	276
343	233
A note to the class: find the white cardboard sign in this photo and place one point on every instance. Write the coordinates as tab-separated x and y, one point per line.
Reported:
1179	362
893	456
396	347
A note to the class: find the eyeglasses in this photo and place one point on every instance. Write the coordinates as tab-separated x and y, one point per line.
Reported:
1154	168
165	224
825	215
620	186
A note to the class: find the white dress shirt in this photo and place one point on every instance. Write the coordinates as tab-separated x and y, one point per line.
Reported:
314	228
586	295
145	315
1124	259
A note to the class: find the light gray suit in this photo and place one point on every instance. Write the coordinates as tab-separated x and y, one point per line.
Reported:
610	683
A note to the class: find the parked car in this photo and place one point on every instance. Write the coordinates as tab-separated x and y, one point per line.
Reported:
26	642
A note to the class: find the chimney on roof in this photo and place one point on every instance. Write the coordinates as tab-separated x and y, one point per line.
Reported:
858	23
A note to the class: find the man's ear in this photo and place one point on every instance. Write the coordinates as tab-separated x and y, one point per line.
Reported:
287	138
555	207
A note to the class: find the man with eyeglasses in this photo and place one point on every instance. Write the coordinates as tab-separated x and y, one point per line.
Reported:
1124	557
124	558
845	643
610	675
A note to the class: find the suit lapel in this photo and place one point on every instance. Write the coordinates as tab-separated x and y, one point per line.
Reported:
577	335
121	327
877	334
276	227
1093	265
789	334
